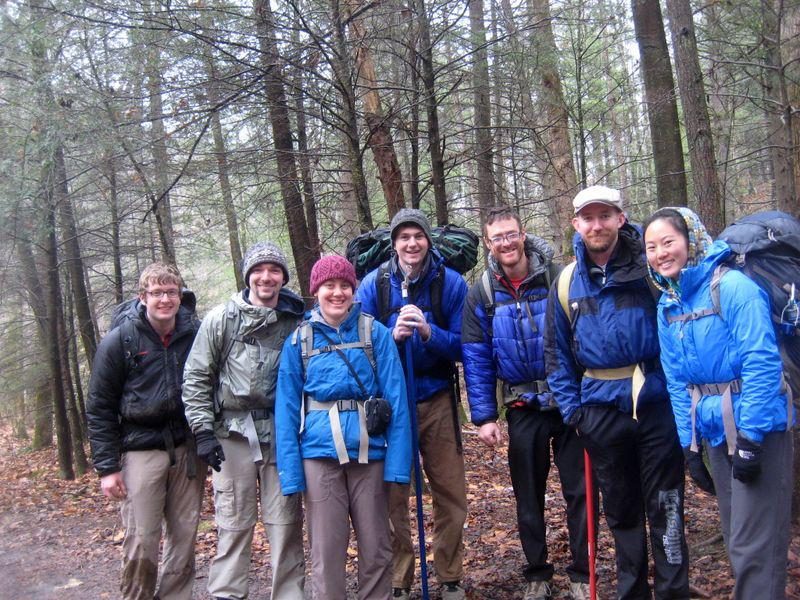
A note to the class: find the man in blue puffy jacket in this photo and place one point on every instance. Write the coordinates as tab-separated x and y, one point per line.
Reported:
431	322
502	338
603	368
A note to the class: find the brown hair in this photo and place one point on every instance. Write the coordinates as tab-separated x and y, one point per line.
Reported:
159	273
499	213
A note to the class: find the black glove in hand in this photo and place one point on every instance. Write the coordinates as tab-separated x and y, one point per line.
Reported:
209	449
699	471
746	459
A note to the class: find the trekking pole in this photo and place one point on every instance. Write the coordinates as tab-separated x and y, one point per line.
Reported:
587	475
411	384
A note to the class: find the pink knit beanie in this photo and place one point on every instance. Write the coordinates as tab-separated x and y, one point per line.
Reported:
332	267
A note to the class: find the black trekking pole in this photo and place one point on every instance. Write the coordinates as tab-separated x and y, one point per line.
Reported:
411	386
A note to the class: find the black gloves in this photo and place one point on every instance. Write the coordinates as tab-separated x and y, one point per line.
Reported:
209	449
746	459
699	471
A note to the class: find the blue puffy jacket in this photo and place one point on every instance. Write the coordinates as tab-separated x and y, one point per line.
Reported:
739	343
514	352
329	378
431	358
615	326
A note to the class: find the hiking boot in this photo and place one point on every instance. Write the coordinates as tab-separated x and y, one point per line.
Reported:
538	590
453	591
402	593
579	590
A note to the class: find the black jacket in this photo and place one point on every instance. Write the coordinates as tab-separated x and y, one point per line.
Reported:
135	389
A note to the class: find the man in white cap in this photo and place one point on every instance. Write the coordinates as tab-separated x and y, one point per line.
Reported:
602	354
229	394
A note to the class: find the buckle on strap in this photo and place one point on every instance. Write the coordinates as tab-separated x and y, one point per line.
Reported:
341	405
717	389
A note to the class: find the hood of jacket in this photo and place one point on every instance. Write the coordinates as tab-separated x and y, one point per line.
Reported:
288	302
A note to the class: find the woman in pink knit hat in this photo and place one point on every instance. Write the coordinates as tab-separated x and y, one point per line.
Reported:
343	432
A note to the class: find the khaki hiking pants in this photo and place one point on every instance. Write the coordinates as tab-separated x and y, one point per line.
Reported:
443	464
336	495
159	494
237	488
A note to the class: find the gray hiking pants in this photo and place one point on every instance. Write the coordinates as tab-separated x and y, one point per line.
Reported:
237	488
756	518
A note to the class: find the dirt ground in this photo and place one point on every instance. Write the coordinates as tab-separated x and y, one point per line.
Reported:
61	539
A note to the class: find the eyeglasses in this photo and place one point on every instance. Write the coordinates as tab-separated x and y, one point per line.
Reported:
158	294
508	238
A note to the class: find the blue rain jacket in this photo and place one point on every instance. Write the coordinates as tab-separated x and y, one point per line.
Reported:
739	343
615	326
431	358
329	378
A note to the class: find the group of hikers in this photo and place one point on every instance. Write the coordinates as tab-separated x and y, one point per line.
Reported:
643	353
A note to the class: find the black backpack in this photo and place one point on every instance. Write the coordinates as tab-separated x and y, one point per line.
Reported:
766	248
458	245
123	315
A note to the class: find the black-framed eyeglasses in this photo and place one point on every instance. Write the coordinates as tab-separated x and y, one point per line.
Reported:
508	238
158	294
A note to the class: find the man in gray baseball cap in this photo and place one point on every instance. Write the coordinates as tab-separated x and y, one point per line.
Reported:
229	395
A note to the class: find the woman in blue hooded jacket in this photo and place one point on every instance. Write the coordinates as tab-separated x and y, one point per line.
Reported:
723	369
335	361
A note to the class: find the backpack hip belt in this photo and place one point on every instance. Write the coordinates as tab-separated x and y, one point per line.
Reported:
332	407
636	373
512	393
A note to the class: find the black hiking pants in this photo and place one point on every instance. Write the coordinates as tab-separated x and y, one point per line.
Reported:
638	466
531	434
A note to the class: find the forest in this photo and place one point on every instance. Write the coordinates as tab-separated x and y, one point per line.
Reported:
186	130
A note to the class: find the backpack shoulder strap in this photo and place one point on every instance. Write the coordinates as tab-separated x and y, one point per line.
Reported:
230	330
715	309
437	294
129	336
383	288
488	299
365	323
564	281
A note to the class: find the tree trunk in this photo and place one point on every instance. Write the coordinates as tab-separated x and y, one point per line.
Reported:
343	83
560	183
662	106
483	113
778	109
110	172
695	111
379	138
221	155
160	200
305	254
790	57
304	160
435	145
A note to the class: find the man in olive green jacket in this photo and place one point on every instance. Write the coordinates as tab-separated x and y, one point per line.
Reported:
229	395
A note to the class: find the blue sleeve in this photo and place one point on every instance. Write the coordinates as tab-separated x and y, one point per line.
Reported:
563	373
446	342
672	362
745	308
288	404
397	465
480	371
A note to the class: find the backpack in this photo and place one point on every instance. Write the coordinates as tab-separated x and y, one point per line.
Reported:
545	252
766	248
458	245
122	317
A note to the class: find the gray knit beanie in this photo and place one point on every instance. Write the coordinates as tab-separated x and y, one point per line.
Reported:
264	252
411	216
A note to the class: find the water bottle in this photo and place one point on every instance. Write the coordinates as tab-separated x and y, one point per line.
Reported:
790	315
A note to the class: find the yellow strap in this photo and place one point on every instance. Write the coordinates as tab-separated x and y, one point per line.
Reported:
563	287
632	372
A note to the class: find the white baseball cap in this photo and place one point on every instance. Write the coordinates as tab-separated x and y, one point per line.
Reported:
597	194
